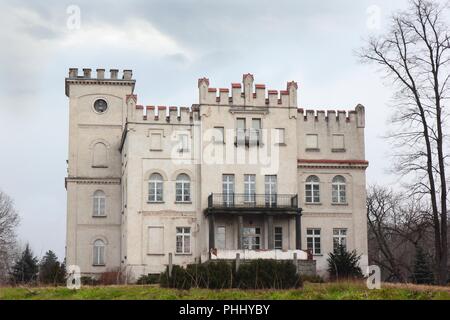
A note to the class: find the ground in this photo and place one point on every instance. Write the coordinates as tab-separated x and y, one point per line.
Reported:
311	291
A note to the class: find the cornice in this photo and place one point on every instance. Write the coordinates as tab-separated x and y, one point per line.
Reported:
87	180
330	163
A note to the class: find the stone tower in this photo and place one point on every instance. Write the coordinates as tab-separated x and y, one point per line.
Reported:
97	116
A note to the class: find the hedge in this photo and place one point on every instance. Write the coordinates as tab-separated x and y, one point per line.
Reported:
255	274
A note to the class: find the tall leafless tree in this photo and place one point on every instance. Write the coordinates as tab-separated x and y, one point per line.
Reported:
397	226
414	54
9	220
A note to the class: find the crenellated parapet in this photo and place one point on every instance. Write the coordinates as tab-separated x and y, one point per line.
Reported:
247	94
356	116
165	114
86	77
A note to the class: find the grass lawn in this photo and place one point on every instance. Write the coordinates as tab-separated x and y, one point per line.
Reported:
310	291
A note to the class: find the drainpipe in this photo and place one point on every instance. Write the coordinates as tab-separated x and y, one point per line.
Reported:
298	229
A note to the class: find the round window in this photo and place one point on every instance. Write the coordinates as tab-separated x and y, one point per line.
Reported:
100	105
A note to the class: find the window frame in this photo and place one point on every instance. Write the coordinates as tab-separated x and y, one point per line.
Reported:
184	142
221	131
154	184
228	187
312	190
185	187
247	236
98	253
250	188
339	190
271	189
313	237
99	199
280	240
185	238
340	234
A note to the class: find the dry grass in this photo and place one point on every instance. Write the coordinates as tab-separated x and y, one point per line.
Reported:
344	290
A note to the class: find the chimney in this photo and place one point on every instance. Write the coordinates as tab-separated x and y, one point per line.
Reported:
114	73
100	73
127	74
87	73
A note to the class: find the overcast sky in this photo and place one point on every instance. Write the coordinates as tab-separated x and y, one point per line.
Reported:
169	45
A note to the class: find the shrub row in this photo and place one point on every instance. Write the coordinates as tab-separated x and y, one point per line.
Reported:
255	274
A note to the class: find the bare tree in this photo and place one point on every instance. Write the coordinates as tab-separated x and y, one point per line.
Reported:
9	220
397	225
414	54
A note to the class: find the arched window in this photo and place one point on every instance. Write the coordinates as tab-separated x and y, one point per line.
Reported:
99	155
99	204
99	253
312	190
155	188
183	188
338	193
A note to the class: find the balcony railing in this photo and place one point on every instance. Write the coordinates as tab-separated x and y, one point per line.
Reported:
239	200
247	137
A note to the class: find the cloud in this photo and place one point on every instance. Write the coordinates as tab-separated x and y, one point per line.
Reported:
133	35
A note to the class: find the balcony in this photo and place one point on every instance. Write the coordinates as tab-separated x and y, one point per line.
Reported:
252	203
247	137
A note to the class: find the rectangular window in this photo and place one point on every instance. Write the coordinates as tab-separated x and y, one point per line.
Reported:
270	186
220	238
99	256
339	238
313	241
219	135
99	206
255	132
183	142
312	141
279	136
155	142
183	191
312	192
183	240
251	238
249	187
155	243
278	237
228	189
155	191
338	142
240	131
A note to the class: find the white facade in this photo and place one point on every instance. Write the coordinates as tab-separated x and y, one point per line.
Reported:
245	172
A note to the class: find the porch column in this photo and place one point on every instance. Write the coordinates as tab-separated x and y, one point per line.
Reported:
298	230
270	233
211	221
240	225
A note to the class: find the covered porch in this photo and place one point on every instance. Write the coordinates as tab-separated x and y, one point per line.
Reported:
254	225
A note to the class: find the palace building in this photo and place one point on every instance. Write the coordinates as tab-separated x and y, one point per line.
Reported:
243	171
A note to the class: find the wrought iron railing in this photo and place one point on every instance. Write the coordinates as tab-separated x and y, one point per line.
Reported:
240	200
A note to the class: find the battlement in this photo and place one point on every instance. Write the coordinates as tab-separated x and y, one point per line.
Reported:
341	116
161	114
100	74
86	77
248	94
